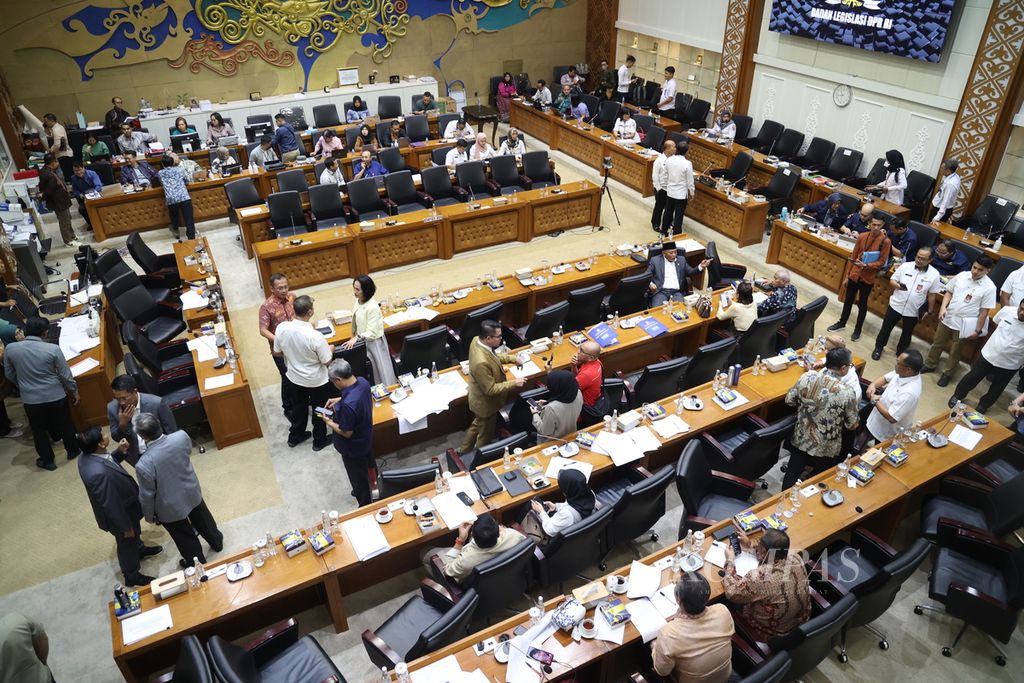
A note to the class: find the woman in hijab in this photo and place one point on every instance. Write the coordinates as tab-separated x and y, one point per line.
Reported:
895	178
546	519
557	416
365	138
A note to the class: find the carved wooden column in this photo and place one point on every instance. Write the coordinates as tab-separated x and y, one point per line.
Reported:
601	31
742	30
991	98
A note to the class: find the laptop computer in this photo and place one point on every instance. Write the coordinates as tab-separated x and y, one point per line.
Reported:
227	141
403	143
230	169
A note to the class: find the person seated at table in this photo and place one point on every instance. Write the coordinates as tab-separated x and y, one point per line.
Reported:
545	520
264	153
625	127
670	275
217	128
367	167
332	174
904	240
724	128
506	91
513	144
458	154
542	94
329	143
859	222
365	139
286	140
695	645
949	260
136	173
741	309
427	104
477	541
829	211
181	127
134	140
84	181
590	378
579	109
571	79
396	132
358	111
482	149
458	130
94	150
557	416
781	294
563	103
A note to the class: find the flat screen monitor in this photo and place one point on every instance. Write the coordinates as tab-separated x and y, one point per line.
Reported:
908	28
254	131
178	142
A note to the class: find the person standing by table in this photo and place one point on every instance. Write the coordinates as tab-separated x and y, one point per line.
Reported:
945	198
678	180
625	80
44	379
915	285
116	116
667	100
278	307
506	91
287	142
870	254
658	176
488	388
351	423
54	191
174	181
58	145
83	181
895	396
368	325
1000	359
895	182
25	648
306	355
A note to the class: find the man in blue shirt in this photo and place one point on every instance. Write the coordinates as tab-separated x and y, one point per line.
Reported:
286	140
828	211
949	260
367	167
904	241
856	223
352	424
135	172
84	180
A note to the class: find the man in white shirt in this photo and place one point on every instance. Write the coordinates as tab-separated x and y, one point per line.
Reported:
667	103
134	140
963	314
1000	358
1012	291
625	80
914	285
263	154
306	356
482	150
724	128
677	178
657	171
457	154
945	199
458	130
895	396
332	174
543	93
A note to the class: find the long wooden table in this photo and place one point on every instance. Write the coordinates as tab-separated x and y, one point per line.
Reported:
737	214
94	390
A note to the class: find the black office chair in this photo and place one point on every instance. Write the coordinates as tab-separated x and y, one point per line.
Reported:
326	207
682	103
707	360
171	357
593	104
425	623
991	217
350	137
423	350
274	658
637	499
722	274
293	179
708	496
159	321
117	277
696	115
192	665
927	236
163	266
105	171
179	391
738	169
358	359
472	177
519	415
644	123
241	193
393	160
747	666
875	577
574	549
630	295
657	381
493	451
443	120
760	338
471	328
917	197
654	138
817	154
494	579
584	306
1004	266
779	190
1014	235
402	191
545	322
392	482
417	128
366	202
287	217
765	138
26	306
800	329
969	250
874	176
977	578
389	106
747	447
258	118
438	185
998	465
538	171
997	510
503	138
743	124
844	164
505	174
438	155
607	113
326	116
789	143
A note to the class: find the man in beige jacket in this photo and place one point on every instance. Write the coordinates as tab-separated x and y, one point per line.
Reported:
488	388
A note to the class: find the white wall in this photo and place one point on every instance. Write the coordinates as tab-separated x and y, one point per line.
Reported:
898	103
700	23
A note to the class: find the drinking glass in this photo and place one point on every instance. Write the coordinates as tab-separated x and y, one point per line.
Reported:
842	469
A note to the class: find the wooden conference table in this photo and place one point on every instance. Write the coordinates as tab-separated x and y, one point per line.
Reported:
94	390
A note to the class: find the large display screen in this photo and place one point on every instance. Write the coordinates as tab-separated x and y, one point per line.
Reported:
908	28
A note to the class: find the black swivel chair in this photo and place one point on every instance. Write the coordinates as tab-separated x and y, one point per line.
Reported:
545	322
748	447
874	176
171	357
494	579
707	360
292	179
1014	235
438	156
472	177
519	416
743	125
287	217
696	115
991	217
737	171
179	391
104	170
417	128
366	202
654	138
425	623
817	154
789	144
574	549
917	197
968	250
593	104
1004	266
163	266
505	174
637	499
657	381
630	295
258	118
722	274
350	137
800	329
326	116
392	159
485	454
357	358
241	193
765	138
423	350
760	338
607	113
927	236
159	321
276	657
389	106
538	171
779	190
708	496
326	206
392	482
997	510
111	268
471	328
682	103
192	665
402	191
438	184
644	123
443	120
844	164
584	306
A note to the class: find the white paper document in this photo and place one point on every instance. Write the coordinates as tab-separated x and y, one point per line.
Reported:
219	381
529	368
620	447
670	426
446	669
84	366
643	438
558	463
464	484
193	299
453	511
644	581
455	382
365	536
605	631
745	563
74	336
82	296
646	618
146	624
205	347
664	600
716	554
405	427
409	314
964	437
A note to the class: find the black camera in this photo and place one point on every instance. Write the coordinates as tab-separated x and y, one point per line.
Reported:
607	162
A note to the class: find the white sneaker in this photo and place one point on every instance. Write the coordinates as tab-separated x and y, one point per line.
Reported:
74	244
13	434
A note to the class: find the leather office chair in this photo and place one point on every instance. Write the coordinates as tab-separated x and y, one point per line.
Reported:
417	128
278	656
1002	269
789	143
326	116
1014	235
104	170
163	266
519	417
392	482
110	267
389	106
644	123
538	171
917	197
877	574
779	190
25	307
192	666
438	184
350	137
574	549
800	329
874	176
169	357
522	138
991	217
471	328
402	191
630	295
318	167
707	360
765	138
287	217
384	137
996	510
593	104
997	466
584	306
178	389
326	207
927	236
424	624
546	322
241	193
708	496
114	288
657	381
423	350
759	339
977	578
439	154
443	120
747	447
844	164
751	668
722	274
258	118
637	499
737	171
366	202
607	113
159	321
493	451
617	393
505	174
654	137
472	177
683	100
494	579
817	154
292	179
969	250
358	359
393	160
743	125
347	107
696	114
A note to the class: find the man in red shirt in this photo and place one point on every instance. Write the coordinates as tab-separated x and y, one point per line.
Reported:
586	364
275	310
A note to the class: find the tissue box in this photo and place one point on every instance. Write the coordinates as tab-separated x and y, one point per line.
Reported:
776	363
523	273
591	594
167	586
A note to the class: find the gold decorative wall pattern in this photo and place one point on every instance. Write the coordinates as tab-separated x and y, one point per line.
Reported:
211	54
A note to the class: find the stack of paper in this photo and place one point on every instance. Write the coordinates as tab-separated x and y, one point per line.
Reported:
409	314
219	381
82	296
453	511
664	600
146	624
670	426
619	447
643	438
428	398
84	366
205	347
644	581
366	537
646	618
529	368
446	669
964	437
463	483
193	299
74	336
558	463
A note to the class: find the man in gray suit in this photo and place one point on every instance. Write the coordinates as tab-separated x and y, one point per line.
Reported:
122	413
169	490
670	276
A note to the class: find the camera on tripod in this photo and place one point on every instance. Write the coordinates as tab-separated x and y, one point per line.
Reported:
607	163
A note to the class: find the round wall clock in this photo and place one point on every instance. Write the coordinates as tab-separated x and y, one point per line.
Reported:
842	95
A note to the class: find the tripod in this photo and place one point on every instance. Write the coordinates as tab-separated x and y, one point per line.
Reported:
606	191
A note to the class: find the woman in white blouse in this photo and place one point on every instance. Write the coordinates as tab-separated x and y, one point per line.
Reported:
482	149
547	519
625	127
895	178
368	325
513	144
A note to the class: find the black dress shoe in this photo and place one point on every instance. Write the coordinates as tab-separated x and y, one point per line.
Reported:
150	550
944	379
983	408
836	327
925	370
49	466
317	447
953	400
876	354
855	336
72	456
139	580
292	443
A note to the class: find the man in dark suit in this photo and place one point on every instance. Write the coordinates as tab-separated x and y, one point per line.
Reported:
114	496
137	173
169	490
670	275
122	412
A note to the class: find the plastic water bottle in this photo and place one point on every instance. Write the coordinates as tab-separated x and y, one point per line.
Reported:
506	459
756	370
200	572
438	486
325	522
688	542
999	244
615	320
402	671
784	215
559	335
615	421
679	406
967	233
271	545
385	677
433	372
